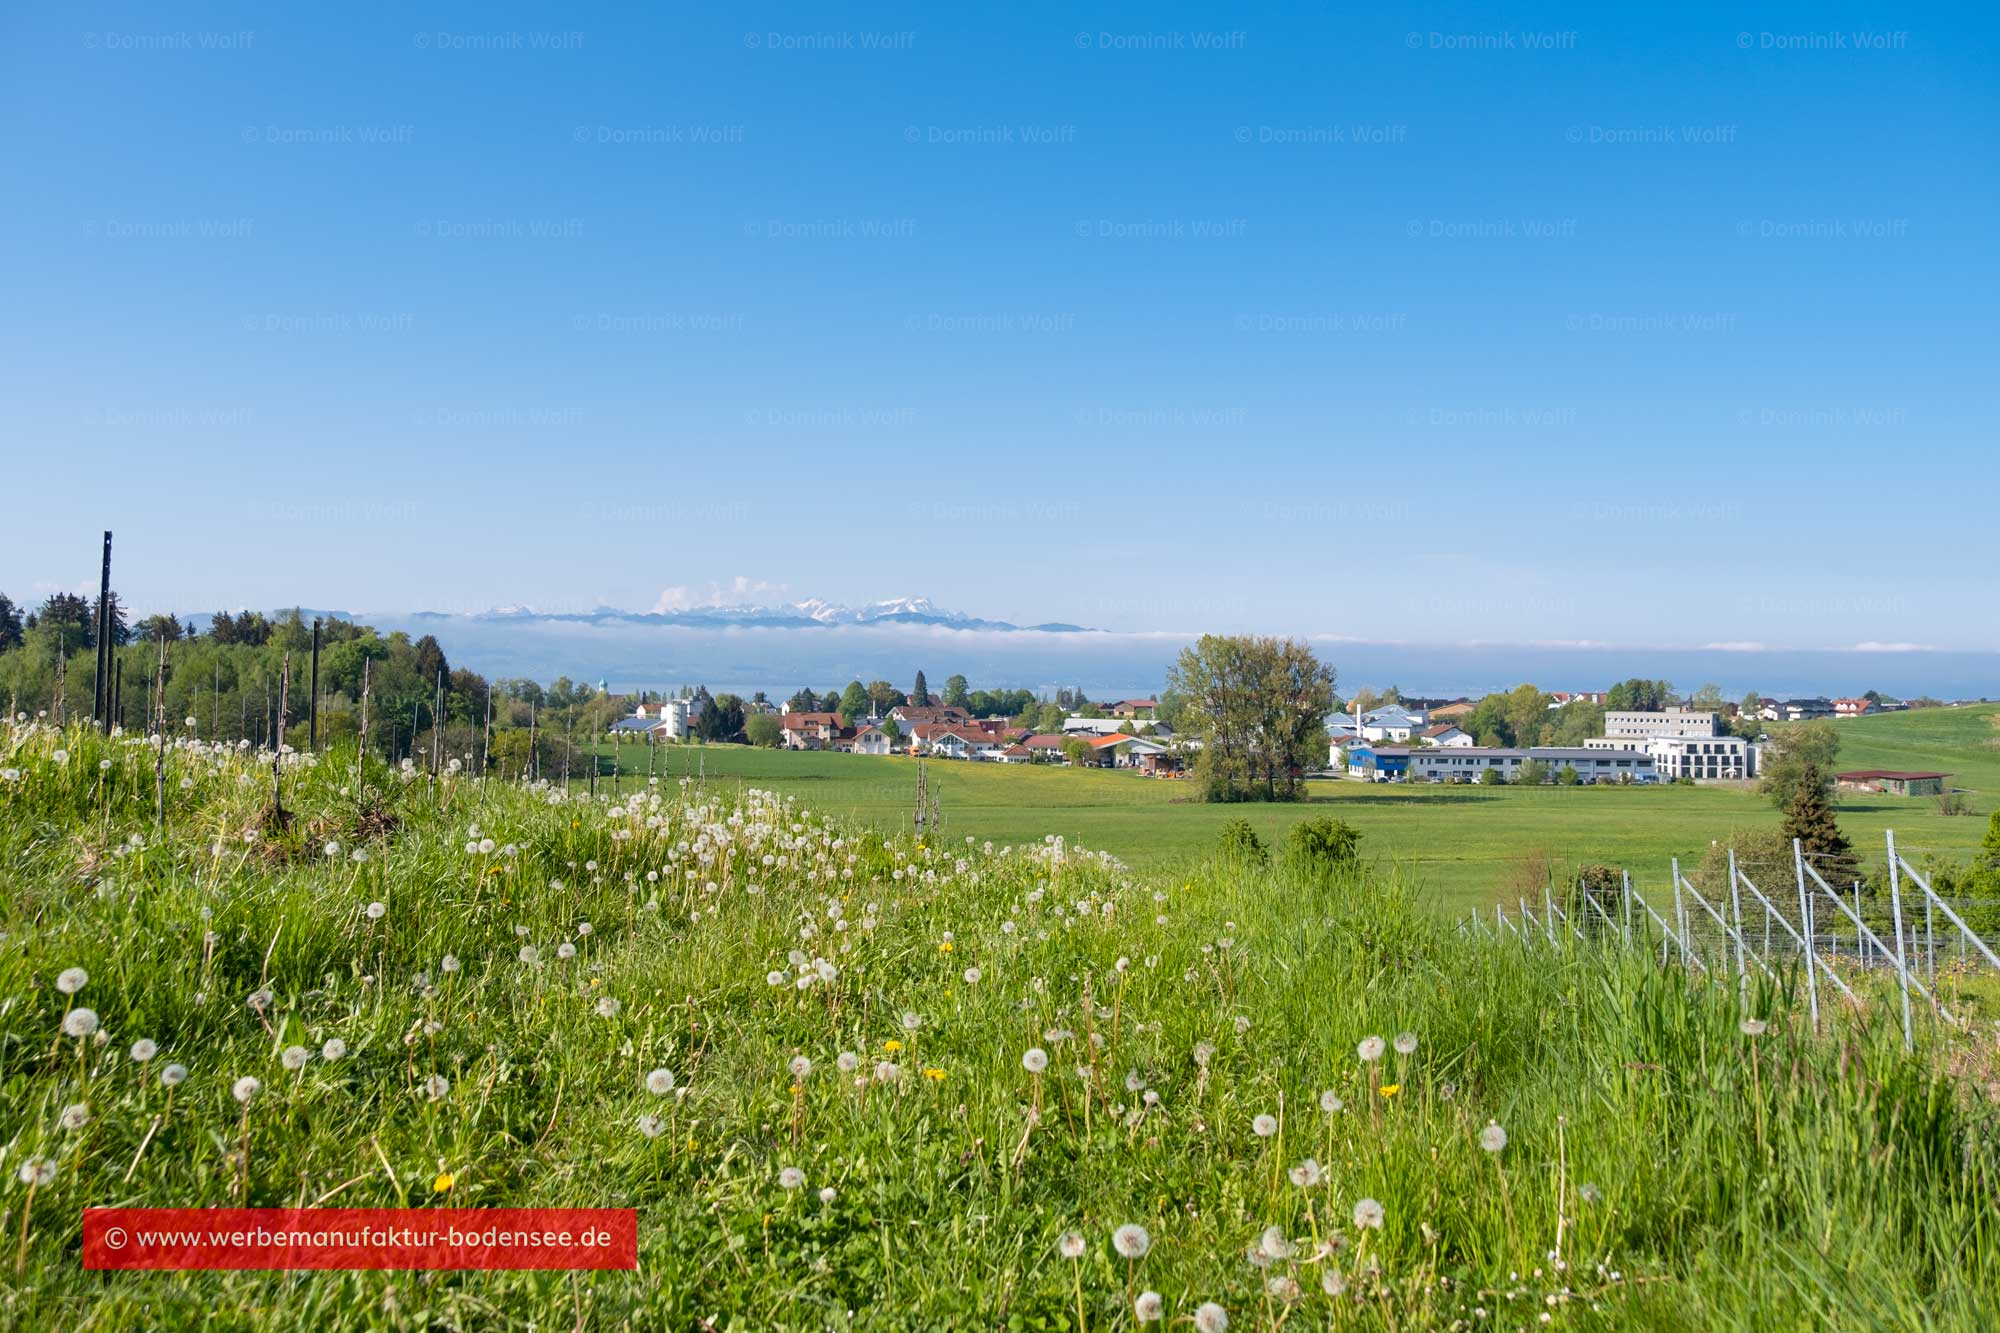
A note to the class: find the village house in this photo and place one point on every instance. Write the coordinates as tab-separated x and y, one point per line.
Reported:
1393	722
670	719
908	716
1855	707
809	731
1444	733
872	740
1131	708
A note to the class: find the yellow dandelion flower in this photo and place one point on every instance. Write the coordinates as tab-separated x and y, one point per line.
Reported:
797	1089
892	1046
1391	1089
934	1075
444	1182
945	947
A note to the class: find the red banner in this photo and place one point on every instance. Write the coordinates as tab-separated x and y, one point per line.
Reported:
411	1238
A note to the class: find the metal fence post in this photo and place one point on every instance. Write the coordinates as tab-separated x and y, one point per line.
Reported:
1625	879
1805	927
1680	913
1549	911
1896	910
1736	912
1859	939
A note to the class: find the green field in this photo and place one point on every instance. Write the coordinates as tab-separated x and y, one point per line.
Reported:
1464	843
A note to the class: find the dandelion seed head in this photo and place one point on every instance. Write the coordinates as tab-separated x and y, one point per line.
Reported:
1406	1043
791	1178
660	1082
1493	1138
652	1126
76	1116
79	1023
1034	1060
1149	1308
37	1171
1265	1126
1307	1174
294	1058
173	1074
144	1049
334	1049
1210	1318
1370	1049
1368	1213
1752	1027
1132	1241
1071	1245
245	1088
71	980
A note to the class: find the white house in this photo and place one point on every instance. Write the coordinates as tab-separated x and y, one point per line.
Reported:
1444	733
1394	722
670	719
872	740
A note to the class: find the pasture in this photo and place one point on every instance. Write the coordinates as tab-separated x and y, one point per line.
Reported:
1465	845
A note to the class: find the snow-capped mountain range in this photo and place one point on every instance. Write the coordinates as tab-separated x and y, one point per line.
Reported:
806	614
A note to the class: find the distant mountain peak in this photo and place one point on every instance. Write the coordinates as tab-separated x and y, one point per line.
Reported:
805	613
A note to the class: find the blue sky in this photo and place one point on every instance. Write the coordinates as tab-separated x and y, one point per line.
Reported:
1563	324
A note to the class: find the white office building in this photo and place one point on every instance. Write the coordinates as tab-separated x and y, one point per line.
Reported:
1674	722
1465	763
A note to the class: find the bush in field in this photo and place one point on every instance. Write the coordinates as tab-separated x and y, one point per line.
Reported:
1239	842
1321	846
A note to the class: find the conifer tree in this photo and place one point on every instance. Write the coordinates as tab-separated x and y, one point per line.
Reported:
1809	818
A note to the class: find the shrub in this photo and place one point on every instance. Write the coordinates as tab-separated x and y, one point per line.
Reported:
1318	846
1239	842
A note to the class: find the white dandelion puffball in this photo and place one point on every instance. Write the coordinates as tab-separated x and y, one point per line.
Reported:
1752	1027
1265	1126
791	1178
1034	1059
1307	1174
565	951
332	849
436	1086
847	1062
1371	1049
1131	1241
972	975
37	1171
1210	1318
77	1116
71	980
1071	1245
912	1021
774	978
1406	1043
79	1023
144	1049
1492	1138
608	1006
245	1088
660	1082
828	1195
1368	1213
1273	1245
531	955
1333	1282
1282	1289
652	1126
333	1050
295	1058
1329	1101
800	1066
172	1074
582	929
1149	1308
449	963
377	910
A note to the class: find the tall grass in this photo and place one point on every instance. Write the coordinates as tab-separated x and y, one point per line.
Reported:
1661	1168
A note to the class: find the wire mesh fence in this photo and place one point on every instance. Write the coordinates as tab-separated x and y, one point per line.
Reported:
1780	920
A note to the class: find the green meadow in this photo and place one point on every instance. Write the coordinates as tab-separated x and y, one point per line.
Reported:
1466	845
855	1082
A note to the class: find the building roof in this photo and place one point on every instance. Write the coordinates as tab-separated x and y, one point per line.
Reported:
1441	728
801	721
1043	740
1885	774
1135	703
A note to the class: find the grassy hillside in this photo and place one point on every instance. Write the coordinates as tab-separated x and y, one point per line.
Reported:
1466	843
1581	1139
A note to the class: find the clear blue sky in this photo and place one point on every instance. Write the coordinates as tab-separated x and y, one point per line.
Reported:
1669	325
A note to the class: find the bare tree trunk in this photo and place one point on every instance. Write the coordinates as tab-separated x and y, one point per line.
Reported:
361	754
100	703
312	707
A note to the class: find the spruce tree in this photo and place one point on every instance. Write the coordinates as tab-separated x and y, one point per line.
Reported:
1809	818
920	695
